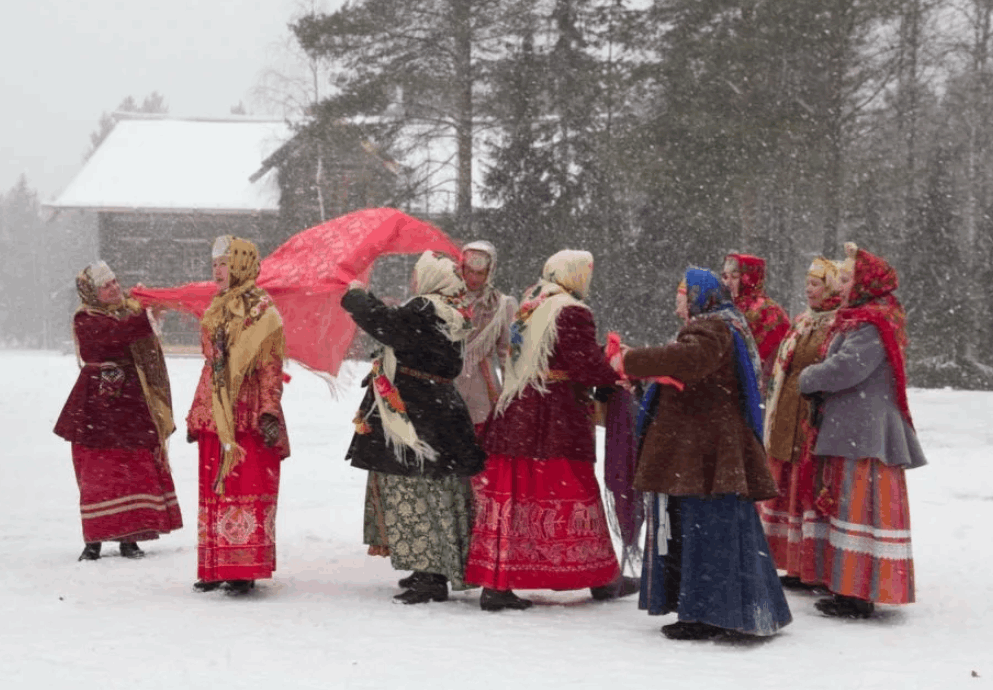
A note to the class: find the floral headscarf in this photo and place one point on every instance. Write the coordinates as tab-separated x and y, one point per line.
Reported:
752	270
88	283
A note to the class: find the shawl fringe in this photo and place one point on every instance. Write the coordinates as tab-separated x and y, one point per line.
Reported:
537	330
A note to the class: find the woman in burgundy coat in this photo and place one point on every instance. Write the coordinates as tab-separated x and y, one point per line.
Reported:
117	418
540	521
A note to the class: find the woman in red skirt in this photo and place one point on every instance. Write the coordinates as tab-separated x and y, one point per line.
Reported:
540	520
859	543
237	418
118	417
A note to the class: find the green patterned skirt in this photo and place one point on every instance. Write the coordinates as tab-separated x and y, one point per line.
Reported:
425	523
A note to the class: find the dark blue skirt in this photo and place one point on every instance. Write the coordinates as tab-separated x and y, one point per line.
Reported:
717	570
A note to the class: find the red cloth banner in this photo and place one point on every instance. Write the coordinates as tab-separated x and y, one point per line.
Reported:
309	273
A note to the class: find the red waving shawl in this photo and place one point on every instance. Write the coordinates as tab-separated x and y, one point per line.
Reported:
872	301
309	273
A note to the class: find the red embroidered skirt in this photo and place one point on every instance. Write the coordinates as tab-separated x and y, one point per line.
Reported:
856	538
236	532
124	494
540	524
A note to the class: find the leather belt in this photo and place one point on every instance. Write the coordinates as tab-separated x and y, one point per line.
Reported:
422	375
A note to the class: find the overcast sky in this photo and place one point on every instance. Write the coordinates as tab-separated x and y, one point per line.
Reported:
65	62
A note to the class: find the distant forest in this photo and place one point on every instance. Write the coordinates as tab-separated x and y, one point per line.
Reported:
663	134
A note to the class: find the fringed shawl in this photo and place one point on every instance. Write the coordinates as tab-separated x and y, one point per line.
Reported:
534	333
246	330
489	312
437	280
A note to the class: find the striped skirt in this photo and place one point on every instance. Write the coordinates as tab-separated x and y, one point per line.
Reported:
855	539
124	494
783	519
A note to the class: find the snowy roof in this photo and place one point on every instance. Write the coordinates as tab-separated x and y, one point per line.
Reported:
171	165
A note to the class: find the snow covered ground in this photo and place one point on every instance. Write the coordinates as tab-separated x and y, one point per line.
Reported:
327	620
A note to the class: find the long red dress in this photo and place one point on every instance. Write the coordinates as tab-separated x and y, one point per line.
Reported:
236	531
126	492
540	521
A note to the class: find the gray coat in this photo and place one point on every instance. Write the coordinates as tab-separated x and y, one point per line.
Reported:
859	415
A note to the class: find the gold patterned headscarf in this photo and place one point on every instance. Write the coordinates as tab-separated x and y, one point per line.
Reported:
88	283
246	330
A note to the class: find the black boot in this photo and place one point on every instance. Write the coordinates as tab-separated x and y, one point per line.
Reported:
497	600
91	551
412	580
621	587
129	549
840	606
691	630
204	586
240	586
796	584
428	587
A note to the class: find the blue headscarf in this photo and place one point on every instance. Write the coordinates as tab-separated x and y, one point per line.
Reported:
707	297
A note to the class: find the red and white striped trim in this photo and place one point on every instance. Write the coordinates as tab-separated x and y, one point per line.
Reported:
125	503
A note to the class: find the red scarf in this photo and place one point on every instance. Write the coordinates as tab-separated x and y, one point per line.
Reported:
871	301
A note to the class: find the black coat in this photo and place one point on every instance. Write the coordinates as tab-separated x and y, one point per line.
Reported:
435	408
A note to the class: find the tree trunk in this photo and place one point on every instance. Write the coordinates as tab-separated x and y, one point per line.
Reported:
462	31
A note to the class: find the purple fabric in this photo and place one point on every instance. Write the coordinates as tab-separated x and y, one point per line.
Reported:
620	461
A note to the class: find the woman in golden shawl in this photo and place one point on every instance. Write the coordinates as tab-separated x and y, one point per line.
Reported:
786	518
118	417
237	418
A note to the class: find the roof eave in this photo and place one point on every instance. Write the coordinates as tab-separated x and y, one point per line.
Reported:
164	210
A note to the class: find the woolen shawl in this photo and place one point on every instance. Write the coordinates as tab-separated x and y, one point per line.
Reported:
564	283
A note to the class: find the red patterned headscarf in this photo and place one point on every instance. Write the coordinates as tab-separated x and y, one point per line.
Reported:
768	321
871	301
752	270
